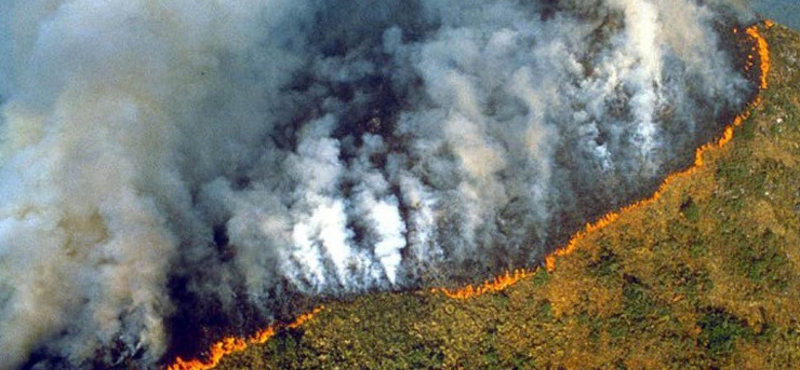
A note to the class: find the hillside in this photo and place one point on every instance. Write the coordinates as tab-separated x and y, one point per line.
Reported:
706	276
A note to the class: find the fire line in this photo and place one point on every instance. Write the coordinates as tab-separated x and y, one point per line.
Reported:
508	279
230	345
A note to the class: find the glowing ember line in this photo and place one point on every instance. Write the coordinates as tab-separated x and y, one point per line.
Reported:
508	279
763	52
497	284
231	345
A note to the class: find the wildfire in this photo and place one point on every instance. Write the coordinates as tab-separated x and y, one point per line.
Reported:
497	284
231	345
508	279
763	51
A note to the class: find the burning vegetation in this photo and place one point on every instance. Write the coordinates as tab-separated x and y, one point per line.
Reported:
231	345
603	300
178	174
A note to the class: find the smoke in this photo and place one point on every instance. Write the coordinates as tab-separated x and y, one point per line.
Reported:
171	164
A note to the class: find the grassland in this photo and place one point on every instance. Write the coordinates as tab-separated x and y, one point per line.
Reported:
705	277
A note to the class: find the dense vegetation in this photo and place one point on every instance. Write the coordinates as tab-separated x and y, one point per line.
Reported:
706	277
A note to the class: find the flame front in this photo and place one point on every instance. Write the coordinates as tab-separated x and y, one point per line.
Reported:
508	279
762	48
497	284
763	51
231	345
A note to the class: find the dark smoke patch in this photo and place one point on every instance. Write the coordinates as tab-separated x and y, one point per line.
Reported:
175	172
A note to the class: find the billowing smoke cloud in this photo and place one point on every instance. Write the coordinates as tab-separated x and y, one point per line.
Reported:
163	162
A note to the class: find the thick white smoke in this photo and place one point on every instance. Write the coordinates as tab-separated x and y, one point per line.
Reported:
169	159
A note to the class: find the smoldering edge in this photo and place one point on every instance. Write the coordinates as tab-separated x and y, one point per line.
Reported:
171	165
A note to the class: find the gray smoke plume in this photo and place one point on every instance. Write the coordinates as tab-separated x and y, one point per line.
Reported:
172	164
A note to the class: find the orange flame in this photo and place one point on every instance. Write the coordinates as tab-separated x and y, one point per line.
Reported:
231	345
497	284
763	52
508	279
